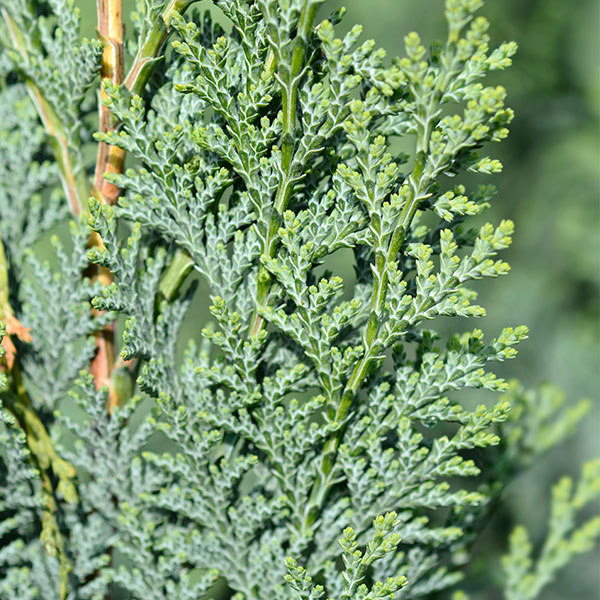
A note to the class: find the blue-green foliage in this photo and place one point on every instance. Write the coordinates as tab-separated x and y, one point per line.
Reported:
63	342
24	215
313	403
43	43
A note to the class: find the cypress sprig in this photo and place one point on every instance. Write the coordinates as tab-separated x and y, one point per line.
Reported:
312	439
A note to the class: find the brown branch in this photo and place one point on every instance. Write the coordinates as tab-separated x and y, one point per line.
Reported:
108	159
13	325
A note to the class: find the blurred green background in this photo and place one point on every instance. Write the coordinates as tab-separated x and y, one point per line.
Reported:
550	187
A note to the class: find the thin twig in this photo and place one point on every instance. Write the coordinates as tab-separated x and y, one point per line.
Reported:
289	98
108	159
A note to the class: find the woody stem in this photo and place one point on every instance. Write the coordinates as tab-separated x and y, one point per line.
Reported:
108	159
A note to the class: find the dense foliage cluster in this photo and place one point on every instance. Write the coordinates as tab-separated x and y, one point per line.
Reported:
315	443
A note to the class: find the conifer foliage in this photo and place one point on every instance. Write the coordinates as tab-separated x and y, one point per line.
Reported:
312	440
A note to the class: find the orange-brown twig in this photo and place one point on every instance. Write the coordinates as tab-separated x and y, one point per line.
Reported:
13	325
108	159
